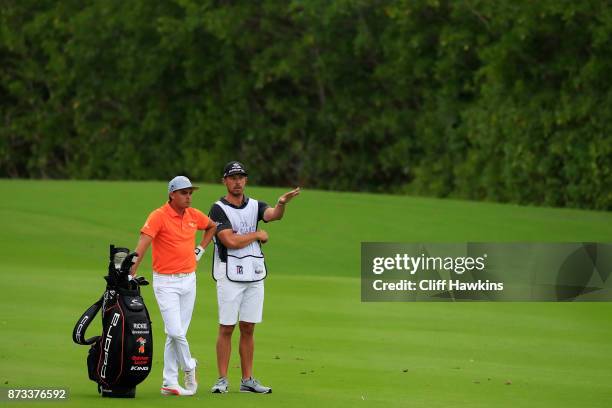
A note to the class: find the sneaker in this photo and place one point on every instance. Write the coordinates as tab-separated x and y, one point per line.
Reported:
252	385
220	386
175	390
191	382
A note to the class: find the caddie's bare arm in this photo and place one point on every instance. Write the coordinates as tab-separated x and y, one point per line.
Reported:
211	230
236	241
141	249
276	212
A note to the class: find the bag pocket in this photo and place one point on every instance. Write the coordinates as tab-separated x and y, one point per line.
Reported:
92	361
246	269
133	303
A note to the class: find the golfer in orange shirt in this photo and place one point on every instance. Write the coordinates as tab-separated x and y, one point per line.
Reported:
171	230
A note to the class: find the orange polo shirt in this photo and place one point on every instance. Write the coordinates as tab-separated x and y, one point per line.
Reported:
174	238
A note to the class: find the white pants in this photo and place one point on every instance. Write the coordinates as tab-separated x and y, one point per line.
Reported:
239	300
175	296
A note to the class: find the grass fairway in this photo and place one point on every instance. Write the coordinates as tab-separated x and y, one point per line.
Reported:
318	345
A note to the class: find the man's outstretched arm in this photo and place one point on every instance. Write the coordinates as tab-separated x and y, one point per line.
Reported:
277	212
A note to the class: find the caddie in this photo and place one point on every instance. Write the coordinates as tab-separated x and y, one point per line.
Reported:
239	270
171	230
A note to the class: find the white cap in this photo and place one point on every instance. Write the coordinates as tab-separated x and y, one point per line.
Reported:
179	183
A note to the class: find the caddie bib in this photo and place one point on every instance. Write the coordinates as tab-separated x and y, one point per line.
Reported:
243	264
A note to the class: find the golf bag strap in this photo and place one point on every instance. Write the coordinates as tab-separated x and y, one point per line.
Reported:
78	333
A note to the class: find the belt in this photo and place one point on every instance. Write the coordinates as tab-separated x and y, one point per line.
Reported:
173	275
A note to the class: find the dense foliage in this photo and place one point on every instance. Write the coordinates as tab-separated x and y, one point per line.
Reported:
496	100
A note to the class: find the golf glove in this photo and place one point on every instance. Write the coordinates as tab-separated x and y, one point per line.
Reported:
199	251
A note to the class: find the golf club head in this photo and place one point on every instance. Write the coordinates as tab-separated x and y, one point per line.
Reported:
117	260
127	263
116	257
142	281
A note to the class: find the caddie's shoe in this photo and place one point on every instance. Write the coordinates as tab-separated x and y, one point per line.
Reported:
175	390
191	382
220	386
252	385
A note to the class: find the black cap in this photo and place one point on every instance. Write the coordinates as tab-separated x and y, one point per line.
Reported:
234	167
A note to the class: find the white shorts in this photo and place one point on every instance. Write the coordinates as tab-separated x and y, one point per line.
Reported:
239	301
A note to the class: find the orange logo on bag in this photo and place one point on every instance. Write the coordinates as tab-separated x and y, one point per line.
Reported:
142	342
